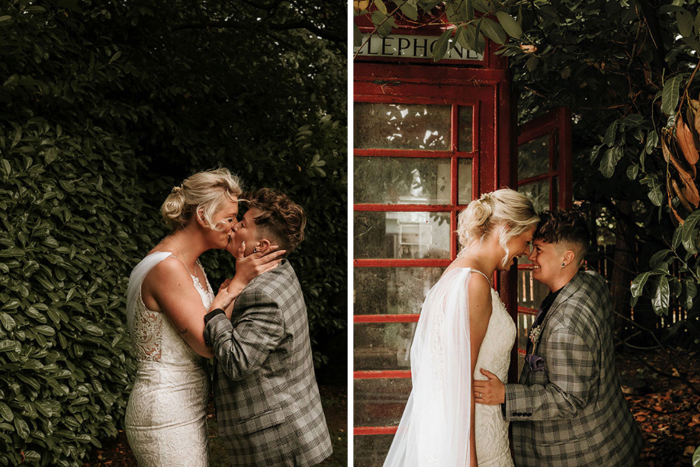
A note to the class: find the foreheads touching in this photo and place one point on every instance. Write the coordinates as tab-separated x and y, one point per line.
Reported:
567	230
510	212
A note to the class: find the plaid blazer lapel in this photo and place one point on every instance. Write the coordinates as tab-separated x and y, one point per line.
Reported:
572	286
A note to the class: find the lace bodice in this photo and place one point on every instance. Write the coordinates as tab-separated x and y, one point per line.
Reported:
151	331
494	356
166	415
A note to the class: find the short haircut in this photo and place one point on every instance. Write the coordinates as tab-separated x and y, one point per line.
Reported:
564	227
281	218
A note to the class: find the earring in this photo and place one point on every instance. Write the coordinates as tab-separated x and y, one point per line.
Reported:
563	265
255	249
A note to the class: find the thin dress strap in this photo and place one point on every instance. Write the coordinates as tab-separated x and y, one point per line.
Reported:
487	277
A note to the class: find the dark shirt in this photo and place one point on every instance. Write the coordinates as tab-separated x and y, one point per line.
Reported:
542	313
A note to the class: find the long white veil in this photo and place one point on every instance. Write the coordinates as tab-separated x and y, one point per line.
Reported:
138	274
434	428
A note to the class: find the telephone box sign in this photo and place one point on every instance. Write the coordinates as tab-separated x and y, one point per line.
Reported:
410	46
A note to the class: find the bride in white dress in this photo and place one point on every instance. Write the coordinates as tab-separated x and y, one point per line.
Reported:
463	328
167	298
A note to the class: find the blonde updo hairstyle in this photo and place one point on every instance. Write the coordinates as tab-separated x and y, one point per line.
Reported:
509	211
203	193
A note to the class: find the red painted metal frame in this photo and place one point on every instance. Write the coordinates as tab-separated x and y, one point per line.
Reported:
484	85
558	120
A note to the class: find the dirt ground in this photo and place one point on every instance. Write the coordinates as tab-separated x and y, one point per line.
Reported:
666	408
115	452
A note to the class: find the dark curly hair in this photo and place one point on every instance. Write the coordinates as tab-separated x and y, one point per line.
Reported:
281	218
564	227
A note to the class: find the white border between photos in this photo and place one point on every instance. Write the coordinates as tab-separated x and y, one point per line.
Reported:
349	112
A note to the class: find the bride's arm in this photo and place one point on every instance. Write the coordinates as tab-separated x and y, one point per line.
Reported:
479	315
170	285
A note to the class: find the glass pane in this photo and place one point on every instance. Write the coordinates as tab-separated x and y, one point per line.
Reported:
383	346
402	126
538	192
408	235
533	158
465	128
465	181
402	180
392	290
371	450
380	402
530	292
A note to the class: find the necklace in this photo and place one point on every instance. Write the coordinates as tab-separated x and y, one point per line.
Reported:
183	256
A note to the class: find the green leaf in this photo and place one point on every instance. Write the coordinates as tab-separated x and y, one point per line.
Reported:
638	283
609	161
410	11
690	232
655	195
102	361
658	258
677	237
94	330
440	48
7	321
45	330
115	57
51	155
685	23
511	27
670	94
469	9
610	134
36	9
632	171
357	35
531	63
696	458
691	292
22	428
5	18
6	412
493	30
662	296
380	6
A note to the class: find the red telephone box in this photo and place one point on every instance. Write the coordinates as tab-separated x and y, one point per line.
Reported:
428	138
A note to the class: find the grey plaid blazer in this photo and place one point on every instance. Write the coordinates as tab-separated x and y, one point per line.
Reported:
573	412
268	408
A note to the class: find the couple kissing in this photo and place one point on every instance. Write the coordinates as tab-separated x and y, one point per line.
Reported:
268	407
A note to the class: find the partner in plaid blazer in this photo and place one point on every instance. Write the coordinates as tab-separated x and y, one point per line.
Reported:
268	408
572	412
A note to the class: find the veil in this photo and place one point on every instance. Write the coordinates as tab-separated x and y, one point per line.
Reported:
138	274
434	428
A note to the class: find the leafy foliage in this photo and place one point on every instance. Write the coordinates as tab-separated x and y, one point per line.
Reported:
104	106
627	71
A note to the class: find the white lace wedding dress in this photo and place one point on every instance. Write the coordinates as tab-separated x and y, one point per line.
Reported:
434	428
166	414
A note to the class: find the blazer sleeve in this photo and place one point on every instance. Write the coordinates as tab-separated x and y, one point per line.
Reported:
571	382
241	347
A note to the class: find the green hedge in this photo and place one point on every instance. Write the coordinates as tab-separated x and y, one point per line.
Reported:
73	226
102	109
